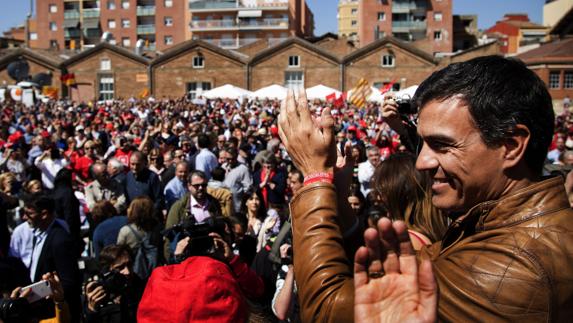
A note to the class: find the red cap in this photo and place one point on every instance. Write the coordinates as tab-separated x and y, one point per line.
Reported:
45	134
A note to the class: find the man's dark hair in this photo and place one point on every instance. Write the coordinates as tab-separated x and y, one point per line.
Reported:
203	141
40	201
500	94
299	173
110	254
218	174
197	173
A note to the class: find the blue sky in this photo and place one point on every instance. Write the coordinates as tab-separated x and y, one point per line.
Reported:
488	11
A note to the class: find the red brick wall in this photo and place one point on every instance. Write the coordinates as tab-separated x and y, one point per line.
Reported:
170	78
129	76
317	69
43	19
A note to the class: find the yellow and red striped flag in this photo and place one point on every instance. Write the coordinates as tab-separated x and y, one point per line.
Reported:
360	93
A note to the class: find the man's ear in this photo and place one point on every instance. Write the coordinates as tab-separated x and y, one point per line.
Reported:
516	145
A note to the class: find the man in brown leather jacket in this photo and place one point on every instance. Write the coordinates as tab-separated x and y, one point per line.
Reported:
486	125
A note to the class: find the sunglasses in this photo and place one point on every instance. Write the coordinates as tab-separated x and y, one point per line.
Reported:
197	186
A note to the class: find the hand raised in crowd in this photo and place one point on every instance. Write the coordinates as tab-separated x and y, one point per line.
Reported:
391	115
388	285
222	247
95	294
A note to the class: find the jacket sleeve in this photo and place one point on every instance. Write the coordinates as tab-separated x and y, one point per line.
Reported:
321	268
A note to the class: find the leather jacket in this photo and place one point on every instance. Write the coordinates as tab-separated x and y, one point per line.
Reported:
504	260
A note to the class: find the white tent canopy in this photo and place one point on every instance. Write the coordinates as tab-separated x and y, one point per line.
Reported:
227	91
407	92
320	92
274	91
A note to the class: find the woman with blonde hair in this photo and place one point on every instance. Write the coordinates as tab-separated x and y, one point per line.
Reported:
405	193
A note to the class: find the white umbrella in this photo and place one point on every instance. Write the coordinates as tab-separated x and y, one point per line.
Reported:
274	91
226	91
320	92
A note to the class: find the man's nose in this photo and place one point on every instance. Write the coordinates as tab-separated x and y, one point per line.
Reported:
426	159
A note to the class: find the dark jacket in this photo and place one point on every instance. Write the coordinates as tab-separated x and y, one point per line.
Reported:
68	206
59	254
504	260
276	195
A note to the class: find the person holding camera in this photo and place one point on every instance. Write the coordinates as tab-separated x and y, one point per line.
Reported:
114	297
285	303
210	281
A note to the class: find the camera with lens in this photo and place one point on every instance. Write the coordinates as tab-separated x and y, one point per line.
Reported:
288	259
14	310
200	243
114	283
405	105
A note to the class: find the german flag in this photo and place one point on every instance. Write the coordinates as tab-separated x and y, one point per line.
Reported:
360	93
69	79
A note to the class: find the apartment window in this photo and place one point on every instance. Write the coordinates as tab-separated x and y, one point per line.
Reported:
106	87
381	16
53	26
437	16
198	62
168	40
125	23
125	4
168	21
438	35
111	24
294	80
353	23
388	60
568	80
125	42
353	11
105	64
53	8
112	41
33	36
111	4
554	80
293	61
195	89
168	3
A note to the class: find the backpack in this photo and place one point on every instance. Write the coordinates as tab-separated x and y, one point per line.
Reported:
146	255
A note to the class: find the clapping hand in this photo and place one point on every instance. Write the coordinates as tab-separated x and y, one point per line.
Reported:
388	285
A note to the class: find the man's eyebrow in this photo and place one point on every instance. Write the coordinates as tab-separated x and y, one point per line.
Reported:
438	138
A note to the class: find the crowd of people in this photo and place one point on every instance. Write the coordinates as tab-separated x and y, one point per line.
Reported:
165	210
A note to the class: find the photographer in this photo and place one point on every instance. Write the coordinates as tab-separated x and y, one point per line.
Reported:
285	304
115	296
210	281
398	113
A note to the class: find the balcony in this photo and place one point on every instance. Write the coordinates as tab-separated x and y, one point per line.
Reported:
71	33
71	14
91	13
237	43
207	25
92	33
405	26
407	7
146	10
268	23
210	6
145	29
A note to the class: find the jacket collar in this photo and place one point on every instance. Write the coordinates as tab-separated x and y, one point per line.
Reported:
536	200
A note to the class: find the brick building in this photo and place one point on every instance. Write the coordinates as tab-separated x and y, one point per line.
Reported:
106	72
109	71
38	61
232	24
427	22
517	34
348	18
388	60
294	63
552	62
196	66
160	24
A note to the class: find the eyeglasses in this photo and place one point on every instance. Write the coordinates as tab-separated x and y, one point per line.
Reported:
197	186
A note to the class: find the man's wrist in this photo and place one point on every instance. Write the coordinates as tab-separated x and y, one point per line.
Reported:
314	177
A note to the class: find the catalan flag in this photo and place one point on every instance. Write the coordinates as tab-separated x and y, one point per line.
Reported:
360	93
